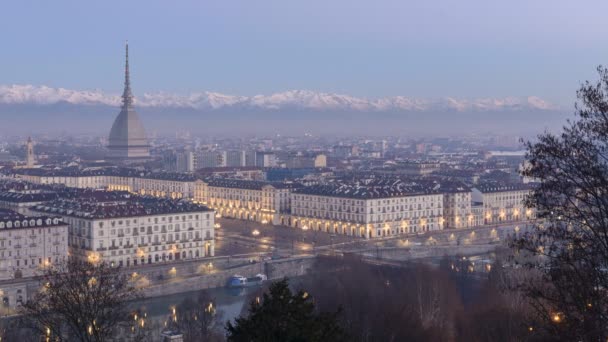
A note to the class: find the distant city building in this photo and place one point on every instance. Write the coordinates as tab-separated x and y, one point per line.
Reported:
186	161
265	159
242	172
163	184
30	159
307	161
236	158
281	174
345	151
417	168
210	158
127	137
5	156
250	158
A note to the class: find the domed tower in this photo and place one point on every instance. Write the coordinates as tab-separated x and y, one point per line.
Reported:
127	136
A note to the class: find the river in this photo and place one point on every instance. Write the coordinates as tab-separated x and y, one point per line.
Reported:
228	301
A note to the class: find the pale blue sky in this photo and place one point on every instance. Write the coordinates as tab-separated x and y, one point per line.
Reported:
465	48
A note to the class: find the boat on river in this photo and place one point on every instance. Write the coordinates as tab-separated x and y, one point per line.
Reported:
241	281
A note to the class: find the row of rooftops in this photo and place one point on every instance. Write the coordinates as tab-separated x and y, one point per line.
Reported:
371	188
249	184
108	171
502	187
27	197
12	220
354	184
122	205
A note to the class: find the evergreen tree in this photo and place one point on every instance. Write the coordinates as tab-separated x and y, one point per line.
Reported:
284	316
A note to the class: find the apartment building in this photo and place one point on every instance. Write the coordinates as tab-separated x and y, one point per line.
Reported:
265	202
370	210
30	243
128	230
503	203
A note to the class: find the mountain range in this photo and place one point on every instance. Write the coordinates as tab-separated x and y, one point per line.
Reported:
36	108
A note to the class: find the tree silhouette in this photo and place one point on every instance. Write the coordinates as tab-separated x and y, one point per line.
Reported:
196	318
285	316
571	243
80	301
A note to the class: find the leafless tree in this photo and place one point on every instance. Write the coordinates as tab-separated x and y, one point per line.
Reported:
385	303
571	244
197	318
80	301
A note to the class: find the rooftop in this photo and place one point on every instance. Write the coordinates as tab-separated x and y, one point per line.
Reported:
97	204
377	188
249	184
13	220
500	187
107	171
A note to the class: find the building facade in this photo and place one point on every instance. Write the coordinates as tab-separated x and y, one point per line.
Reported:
30	243
264	202
504	203
126	230
457	212
367	211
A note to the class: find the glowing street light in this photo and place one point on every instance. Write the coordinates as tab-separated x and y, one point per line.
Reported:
556	318
255	232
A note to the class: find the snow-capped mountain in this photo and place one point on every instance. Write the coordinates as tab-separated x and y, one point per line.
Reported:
292	99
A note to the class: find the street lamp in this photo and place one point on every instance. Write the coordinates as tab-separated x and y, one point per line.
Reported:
556	318
255	232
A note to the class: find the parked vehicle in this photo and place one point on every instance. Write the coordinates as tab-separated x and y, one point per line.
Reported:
241	281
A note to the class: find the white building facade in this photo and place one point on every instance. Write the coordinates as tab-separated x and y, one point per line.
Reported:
150	233
366	213
30	243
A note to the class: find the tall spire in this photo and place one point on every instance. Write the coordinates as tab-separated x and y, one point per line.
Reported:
127	96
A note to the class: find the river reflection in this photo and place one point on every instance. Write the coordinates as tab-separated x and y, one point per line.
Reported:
229	301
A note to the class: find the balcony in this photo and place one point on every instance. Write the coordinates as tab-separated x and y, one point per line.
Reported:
112	248
142	245
208	238
128	246
101	249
